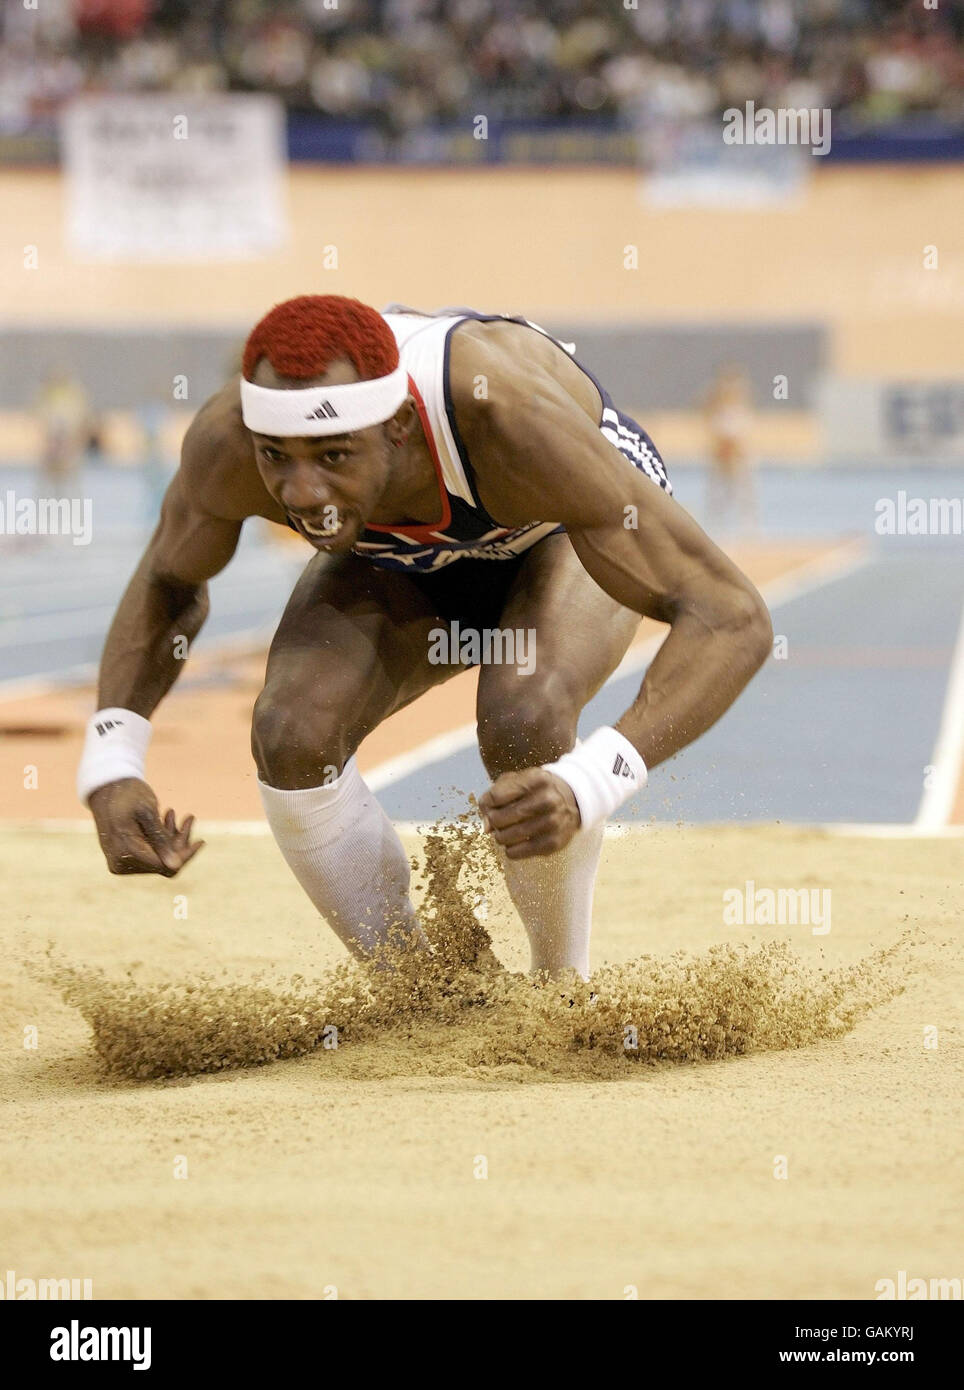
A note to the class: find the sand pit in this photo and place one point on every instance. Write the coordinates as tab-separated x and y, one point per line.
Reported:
360	1167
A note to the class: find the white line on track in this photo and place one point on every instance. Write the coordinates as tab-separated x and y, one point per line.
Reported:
432	751
886	831
843	560
802	579
28	629
619	830
33	688
249	640
937	801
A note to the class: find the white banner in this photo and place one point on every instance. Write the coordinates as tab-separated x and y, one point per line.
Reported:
690	166
875	419
171	177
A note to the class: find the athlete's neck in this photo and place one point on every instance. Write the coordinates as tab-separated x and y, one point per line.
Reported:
412	496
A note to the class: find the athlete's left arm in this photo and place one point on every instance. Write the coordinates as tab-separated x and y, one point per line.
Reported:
638	544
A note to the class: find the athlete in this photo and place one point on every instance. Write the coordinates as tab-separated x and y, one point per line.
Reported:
728	415
448	467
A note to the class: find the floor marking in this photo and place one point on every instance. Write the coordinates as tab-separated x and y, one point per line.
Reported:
812	574
886	831
937	801
59	682
18	630
249	641
802	579
619	830
432	751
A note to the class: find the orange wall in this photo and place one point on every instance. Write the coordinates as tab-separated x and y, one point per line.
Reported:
551	243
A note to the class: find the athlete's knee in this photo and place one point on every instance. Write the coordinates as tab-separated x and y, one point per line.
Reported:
296	744
526	722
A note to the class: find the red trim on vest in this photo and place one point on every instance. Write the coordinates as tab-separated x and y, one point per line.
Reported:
424	531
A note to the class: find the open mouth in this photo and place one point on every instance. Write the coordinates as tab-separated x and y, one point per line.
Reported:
325	534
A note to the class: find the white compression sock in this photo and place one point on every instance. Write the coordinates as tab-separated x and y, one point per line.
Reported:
345	853
553	896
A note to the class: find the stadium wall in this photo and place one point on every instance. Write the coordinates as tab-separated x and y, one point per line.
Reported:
833	282
552	243
661	367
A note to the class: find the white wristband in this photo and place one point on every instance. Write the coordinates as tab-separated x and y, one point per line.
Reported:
115	747
603	772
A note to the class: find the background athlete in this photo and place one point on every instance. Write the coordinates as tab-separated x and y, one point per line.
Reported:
447	467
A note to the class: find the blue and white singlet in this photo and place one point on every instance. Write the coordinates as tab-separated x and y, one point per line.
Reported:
465	530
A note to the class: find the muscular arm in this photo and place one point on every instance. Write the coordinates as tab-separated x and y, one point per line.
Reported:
166	599
719	629
636	542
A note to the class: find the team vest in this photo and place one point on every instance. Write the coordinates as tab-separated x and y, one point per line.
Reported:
464	529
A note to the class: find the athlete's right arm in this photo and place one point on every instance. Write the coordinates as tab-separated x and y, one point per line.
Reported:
162	611
165	602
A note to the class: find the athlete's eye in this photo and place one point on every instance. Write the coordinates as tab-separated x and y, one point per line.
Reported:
335	456
271	455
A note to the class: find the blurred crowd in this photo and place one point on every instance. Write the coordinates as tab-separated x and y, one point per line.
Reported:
400	64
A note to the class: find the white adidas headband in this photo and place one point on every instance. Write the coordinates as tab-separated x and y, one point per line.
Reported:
356	405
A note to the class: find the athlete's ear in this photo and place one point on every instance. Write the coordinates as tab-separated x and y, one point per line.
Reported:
400	426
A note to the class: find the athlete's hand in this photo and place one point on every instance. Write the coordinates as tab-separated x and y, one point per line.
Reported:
134	837
529	813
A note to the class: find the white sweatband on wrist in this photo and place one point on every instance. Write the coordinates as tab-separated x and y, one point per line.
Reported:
115	747
603	772
317	410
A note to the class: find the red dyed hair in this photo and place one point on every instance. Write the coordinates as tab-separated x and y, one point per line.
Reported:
302	337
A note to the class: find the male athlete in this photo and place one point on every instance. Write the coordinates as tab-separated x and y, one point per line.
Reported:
444	467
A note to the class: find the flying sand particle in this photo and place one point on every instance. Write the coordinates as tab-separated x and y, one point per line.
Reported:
725	1002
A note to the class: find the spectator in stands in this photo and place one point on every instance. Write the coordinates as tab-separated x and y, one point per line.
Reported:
398	64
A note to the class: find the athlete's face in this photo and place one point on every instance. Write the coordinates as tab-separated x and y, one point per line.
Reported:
329	485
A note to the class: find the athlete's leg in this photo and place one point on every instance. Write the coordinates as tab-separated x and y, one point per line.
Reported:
525	720
351	648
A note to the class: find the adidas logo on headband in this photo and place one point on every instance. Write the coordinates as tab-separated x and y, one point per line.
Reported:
355	405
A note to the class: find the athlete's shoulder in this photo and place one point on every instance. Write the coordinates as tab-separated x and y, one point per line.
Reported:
217	425
217	457
492	362
502	371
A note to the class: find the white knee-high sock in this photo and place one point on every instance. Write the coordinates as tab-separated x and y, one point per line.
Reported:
345	853
553	896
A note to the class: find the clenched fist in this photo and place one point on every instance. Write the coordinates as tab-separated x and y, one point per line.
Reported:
134	838
530	812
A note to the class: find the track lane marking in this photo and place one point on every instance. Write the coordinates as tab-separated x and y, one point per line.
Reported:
804	578
937	801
